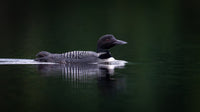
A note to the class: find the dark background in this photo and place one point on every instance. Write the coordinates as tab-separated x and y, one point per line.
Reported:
29	26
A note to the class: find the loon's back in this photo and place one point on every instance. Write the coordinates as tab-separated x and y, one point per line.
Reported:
68	57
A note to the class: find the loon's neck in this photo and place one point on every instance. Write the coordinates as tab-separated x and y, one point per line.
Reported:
105	53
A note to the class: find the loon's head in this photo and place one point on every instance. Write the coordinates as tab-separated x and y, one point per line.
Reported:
105	43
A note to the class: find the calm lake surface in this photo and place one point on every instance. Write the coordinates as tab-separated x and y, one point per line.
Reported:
163	55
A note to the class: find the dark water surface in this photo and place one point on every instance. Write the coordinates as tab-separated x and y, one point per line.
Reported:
163	54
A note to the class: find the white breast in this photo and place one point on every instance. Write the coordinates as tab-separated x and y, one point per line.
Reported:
111	59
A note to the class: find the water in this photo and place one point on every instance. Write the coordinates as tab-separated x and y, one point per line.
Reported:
162	73
141	86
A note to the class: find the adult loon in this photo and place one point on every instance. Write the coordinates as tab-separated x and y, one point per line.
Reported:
103	45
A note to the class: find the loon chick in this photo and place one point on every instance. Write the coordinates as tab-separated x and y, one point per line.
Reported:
103	45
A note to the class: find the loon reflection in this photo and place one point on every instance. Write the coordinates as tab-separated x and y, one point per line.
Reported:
82	75
80	71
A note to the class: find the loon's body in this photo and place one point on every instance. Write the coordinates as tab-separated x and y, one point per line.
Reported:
69	57
103	46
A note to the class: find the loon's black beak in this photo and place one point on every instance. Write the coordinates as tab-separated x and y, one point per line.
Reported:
119	42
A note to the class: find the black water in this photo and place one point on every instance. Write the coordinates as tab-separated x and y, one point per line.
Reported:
163	54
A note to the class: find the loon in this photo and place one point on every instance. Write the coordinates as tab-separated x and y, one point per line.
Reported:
104	43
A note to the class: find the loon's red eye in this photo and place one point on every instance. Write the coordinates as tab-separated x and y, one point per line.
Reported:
107	39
